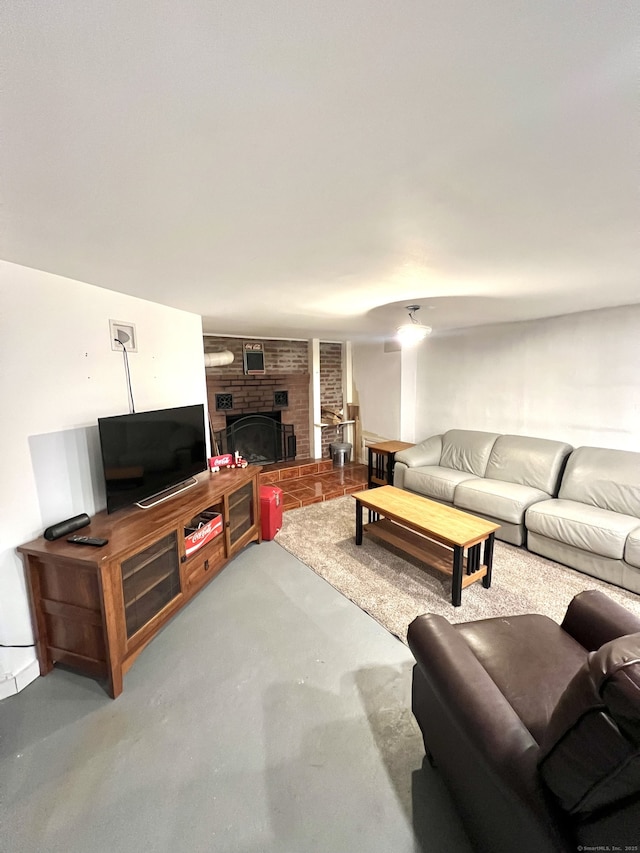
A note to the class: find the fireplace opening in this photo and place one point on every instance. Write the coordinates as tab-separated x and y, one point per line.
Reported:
258	438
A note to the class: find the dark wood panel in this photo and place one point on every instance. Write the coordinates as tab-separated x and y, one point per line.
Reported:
71	612
82	638
84	664
72	584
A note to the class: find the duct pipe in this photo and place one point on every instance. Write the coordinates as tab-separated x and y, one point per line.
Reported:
217	359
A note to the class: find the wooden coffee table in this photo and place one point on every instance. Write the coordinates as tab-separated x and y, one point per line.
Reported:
436	534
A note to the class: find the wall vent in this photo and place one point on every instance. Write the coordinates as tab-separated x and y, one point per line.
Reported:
224	402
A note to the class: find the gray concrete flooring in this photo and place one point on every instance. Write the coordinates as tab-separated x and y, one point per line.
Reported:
271	714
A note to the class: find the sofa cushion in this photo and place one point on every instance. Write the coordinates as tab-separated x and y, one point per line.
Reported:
501	500
435	482
590	755
632	548
535	462
467	450
587	527
609	479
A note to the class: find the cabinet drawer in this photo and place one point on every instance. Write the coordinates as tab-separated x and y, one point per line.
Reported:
200	568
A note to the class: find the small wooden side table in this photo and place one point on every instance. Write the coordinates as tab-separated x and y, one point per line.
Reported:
381	459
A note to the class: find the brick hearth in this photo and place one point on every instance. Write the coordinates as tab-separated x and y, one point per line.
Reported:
313	481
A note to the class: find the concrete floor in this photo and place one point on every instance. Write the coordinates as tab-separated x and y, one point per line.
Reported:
271	714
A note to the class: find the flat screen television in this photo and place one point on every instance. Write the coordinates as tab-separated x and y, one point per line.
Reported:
146	453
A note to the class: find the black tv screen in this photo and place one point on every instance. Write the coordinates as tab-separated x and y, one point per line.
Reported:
147	452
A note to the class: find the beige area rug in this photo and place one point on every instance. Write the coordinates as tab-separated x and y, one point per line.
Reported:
394	589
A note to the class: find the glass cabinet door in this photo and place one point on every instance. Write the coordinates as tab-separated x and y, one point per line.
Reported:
150	580
241	513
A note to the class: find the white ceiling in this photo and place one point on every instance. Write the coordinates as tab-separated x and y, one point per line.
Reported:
307	168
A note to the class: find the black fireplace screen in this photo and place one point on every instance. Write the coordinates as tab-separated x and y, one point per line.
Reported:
257	438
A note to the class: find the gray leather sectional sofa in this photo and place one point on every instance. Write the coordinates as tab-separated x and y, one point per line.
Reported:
577	507
594	524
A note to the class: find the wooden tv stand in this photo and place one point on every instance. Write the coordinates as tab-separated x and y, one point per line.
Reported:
95	609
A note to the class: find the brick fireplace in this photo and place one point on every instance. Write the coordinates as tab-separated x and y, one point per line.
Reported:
283	388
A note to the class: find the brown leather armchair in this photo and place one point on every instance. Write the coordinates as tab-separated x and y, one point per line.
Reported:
535	726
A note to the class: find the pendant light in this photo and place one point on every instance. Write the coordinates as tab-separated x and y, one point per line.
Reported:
411	333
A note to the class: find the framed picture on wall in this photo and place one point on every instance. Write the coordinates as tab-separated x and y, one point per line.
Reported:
253	356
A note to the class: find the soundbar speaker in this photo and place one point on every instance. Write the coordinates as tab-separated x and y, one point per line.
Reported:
62	528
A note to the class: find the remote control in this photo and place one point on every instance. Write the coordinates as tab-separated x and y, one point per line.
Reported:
87	540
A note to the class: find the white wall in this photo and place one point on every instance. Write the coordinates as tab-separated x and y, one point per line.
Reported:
377	389
409	360
574	378
58	374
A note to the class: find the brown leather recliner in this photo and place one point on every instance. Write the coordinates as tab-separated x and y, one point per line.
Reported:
535	726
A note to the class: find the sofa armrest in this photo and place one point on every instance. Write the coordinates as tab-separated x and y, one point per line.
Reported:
463	685
593	619
487	757
428	452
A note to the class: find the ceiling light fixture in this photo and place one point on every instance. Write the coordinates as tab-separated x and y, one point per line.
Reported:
413	332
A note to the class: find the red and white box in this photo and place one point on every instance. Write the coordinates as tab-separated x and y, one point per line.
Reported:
194	541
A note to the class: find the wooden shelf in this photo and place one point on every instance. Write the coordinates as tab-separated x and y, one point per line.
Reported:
324	425
151	559
151	584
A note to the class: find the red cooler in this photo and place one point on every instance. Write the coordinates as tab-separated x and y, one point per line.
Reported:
270	510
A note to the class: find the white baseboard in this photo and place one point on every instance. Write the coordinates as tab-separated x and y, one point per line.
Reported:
18	668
